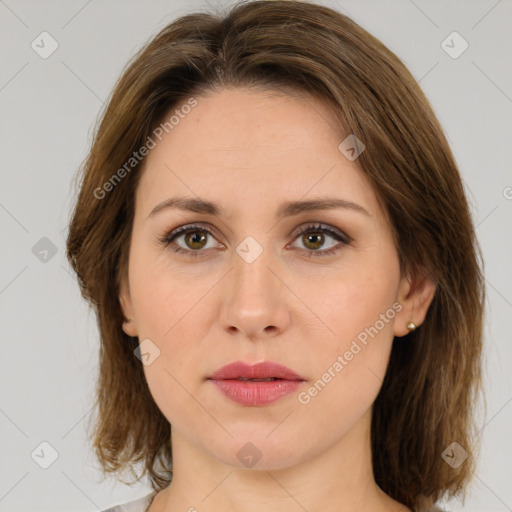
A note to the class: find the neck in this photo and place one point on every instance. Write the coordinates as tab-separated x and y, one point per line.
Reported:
338	479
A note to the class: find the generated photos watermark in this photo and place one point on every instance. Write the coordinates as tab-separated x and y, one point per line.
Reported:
357	345
138	156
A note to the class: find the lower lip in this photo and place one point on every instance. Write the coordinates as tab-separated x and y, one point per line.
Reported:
256	393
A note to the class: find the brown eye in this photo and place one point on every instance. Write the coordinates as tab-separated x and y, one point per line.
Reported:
313	238
196	239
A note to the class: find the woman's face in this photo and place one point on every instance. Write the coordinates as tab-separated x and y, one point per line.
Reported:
248	284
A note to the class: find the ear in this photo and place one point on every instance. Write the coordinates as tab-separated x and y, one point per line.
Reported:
129	324
415	295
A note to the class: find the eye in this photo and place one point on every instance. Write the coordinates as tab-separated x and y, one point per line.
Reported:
314	237
195	238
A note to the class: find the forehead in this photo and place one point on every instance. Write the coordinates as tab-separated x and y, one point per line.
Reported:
246	147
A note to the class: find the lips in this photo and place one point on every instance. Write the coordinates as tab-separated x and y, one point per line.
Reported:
255	385
264	371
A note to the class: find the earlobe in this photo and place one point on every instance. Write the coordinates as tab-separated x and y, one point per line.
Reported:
415	295
129	326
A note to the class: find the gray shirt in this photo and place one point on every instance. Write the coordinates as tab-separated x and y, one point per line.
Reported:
142	505
138	505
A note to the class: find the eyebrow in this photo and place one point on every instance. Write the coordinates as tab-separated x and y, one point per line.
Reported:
287	209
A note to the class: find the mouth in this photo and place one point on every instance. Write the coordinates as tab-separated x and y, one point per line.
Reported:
256	385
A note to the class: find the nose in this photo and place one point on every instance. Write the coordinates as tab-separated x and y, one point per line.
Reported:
255	299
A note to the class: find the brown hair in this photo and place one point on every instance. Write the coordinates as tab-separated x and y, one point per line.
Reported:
434	374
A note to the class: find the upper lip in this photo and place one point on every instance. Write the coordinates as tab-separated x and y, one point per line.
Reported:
263	370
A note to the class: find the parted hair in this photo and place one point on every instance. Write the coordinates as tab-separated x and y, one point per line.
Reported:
433	380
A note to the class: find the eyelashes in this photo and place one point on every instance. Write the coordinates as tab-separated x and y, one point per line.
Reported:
312	231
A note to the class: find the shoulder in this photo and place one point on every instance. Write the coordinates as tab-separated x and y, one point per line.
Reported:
138	505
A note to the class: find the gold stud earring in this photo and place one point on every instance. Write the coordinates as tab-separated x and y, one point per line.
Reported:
411	326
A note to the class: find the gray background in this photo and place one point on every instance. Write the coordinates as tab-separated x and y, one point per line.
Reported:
49	337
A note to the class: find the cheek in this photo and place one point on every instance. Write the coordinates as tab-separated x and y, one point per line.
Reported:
353	341
349	371
356	296
170	311
163	295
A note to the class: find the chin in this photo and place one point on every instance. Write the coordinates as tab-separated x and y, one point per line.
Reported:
259	450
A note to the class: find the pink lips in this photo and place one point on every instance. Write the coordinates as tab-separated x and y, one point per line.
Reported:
236	381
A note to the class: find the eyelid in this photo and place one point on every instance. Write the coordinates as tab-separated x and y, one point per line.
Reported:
335	233
321	226
180	230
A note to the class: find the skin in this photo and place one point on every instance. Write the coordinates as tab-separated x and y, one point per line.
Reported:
250	151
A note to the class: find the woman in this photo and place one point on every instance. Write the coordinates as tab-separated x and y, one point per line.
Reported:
274	234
